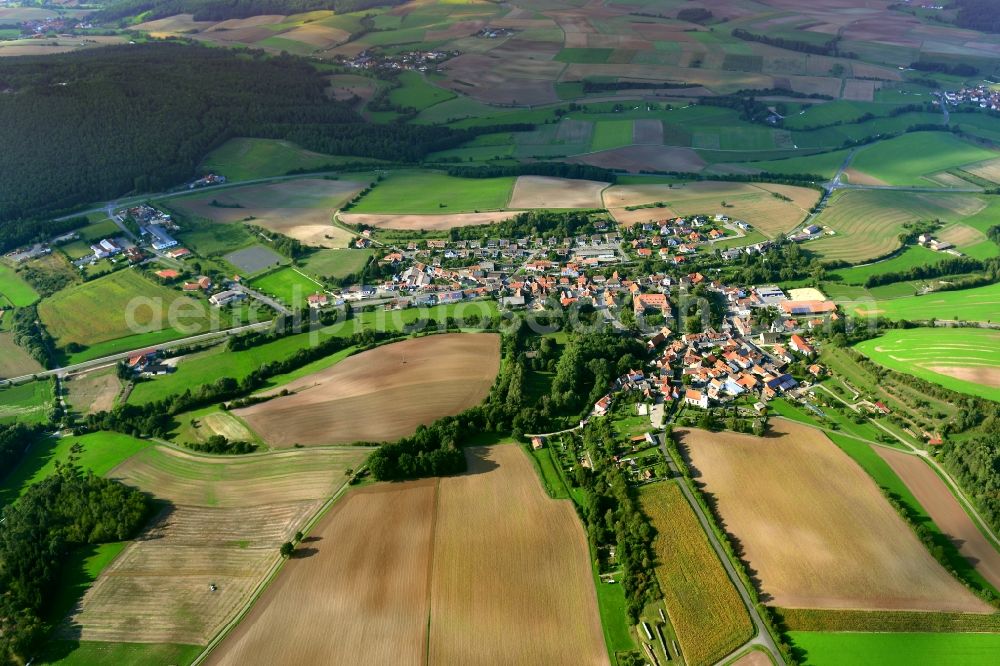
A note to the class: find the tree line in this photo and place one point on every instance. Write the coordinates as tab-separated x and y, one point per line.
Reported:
975	463
827	48
15	439
67	509
29	334
953	266
553	169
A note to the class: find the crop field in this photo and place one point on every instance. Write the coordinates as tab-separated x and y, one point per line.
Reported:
247	159
978	304
302	209
99	452
876	218
896	649
93	391
336	263
705	609
405	192
754	204
847	547
26	403
427	222
966	360
14	361
13	290
413	591
288	285
226	519
611	134
909	159
545	192
70	315
942	506
397	386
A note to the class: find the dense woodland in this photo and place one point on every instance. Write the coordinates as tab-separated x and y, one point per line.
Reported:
67	509
979	15
976	465
15	438
89	126
220	10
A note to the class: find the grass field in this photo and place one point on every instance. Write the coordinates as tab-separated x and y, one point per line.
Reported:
867	223
413	591
913	255
909	159
847	547
704	607
416	92
224	523
302	209
14	360
979	304
287	285
966	360
88	653
247	159
434	192
13	290
898	649
336	263
99	452
611	134
26	403
823	164
401	386
70	315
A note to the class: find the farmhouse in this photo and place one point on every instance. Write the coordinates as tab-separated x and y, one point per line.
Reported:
224	298
800	345
317	301
696	398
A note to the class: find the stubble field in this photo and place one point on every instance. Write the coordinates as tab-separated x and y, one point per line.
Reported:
223	526
381	394
545	192
814	527
479	568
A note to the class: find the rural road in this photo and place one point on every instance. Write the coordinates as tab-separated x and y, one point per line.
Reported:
763	637
266	300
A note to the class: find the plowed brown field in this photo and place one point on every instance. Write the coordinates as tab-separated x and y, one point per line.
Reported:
814	528
381	394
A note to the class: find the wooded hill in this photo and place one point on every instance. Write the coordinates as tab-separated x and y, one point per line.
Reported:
97	124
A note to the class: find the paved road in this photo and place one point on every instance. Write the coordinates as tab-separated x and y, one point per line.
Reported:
113	358
763	637
266	300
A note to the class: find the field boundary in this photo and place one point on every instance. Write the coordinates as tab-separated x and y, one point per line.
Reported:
276	568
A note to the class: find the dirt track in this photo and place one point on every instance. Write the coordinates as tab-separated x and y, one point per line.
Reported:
945	511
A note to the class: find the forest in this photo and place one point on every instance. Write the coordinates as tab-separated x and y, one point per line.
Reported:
88	126
220	10
977	15
67	509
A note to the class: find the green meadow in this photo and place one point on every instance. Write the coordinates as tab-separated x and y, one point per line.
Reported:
247	159
26	403
288	285
13	290
978	304
896	649
963	359
433	192
905	160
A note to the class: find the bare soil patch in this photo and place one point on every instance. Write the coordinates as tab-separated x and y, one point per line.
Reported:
814	527
856	177
94	391
983	375
426	222
381	394
546	192
753	658
859	91
945	511
961	234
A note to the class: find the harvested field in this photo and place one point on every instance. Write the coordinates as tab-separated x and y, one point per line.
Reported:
14	361
426	222
647	131
751	203
94	391
945	511
225	522
381	394
961	234
859	90
844	545
413	591
990	170
637	158
753	658
855	177
301	209
540	589
546	192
